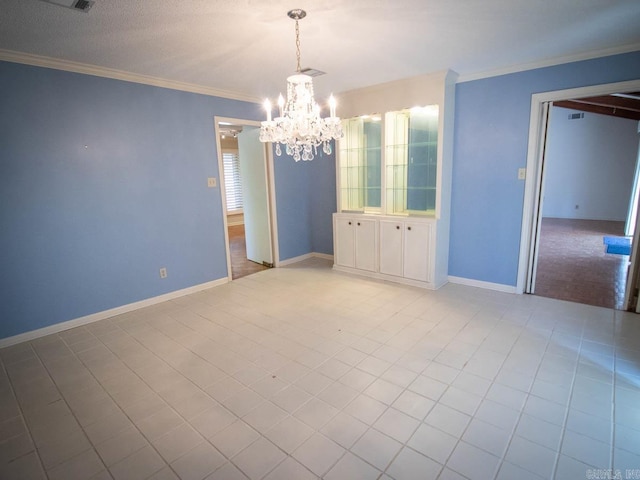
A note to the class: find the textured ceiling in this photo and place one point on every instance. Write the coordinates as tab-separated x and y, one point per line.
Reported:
248	47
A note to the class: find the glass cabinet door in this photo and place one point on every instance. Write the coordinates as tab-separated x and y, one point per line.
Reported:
409	162
411	142
361	164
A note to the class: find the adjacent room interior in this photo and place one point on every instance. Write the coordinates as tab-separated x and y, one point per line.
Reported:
589	199
241	265
388	198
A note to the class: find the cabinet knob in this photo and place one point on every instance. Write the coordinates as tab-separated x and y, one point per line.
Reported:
349	223
397	227
408	228
358	223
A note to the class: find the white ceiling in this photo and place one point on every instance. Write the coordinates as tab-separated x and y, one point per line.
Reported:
248	46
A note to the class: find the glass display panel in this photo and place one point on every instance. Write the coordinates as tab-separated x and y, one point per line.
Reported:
360	164
411	143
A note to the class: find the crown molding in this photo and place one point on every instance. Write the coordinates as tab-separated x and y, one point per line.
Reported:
549	62
86	69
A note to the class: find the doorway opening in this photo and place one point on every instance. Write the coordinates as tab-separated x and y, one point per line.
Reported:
565	219
246	184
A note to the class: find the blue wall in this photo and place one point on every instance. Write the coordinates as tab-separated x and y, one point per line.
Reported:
305	200
86	229
323	201
490	143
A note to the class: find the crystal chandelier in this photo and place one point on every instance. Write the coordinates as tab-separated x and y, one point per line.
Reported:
298	126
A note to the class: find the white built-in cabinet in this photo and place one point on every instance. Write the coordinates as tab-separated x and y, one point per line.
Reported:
386	247
356	242
394	194
405	249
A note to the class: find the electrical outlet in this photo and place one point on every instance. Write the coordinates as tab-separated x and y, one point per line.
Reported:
163	272
211	182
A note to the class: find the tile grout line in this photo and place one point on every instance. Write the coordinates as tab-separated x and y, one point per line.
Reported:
287	455
436	402
523	329
206	440
378	331
63	398
568	409
130	368
21	410
614	385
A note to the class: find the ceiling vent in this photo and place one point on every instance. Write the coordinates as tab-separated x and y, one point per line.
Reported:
83	5
79	5
312	72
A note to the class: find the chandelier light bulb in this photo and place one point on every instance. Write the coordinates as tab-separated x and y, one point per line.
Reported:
299	127
267	107
281	103
332	106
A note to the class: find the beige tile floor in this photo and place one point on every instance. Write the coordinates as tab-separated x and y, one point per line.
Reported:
299	373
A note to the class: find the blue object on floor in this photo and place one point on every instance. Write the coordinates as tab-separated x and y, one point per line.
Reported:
618	245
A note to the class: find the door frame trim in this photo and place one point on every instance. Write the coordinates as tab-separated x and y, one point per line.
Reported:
531	189
273	218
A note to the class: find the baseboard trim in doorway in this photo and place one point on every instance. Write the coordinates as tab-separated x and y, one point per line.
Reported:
94	317
499	287
306	256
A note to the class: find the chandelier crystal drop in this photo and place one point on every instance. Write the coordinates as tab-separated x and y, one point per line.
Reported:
298	126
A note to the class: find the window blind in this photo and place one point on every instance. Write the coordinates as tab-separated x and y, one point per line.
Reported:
232	184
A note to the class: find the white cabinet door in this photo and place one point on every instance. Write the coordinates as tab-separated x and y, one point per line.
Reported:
417	250
345	241
385	246
366	244
391	233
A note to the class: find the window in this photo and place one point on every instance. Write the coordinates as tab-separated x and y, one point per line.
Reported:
232	184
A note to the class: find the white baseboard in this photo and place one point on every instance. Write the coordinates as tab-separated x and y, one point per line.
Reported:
94	317
499	287
306	256
326	256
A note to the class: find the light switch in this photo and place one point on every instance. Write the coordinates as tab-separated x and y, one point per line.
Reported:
522	173
211	182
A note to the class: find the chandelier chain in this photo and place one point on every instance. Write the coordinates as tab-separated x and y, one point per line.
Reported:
298	46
